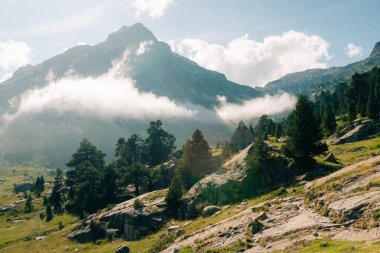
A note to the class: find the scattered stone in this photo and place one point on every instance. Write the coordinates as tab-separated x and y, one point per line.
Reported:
39	238
210	210
173	227
255	226
123	249
262	216
19	221
258	208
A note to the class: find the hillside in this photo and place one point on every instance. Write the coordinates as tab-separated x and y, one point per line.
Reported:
291	219
315	80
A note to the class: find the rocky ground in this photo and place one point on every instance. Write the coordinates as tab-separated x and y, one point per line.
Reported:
281	222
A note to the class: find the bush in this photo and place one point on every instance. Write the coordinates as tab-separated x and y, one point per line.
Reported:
42	216
60	225
138	204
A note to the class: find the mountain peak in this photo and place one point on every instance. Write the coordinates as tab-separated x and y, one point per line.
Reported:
133	34
375	50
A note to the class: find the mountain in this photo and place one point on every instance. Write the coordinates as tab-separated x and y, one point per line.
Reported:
314	80
160	70
49	137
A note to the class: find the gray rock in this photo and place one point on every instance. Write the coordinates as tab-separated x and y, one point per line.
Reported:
130	223
210	210
82	235
173	227
255	226
179	232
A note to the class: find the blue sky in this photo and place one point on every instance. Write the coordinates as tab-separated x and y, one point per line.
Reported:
201	30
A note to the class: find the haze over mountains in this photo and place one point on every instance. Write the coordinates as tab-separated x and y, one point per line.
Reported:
116	87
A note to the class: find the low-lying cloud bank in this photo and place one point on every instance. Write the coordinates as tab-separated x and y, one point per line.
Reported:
109	96
105	97
247	61
254	108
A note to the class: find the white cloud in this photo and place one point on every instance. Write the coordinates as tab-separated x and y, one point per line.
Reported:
153	8
144	47
255	63
81	43
108	96
254	108
353	50
14	54
6	77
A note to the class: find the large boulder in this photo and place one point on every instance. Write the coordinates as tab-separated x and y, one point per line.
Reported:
130	223
210	210
231	186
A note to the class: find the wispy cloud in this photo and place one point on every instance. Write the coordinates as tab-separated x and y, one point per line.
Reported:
14	54
254	108
353	50
255	63
153	8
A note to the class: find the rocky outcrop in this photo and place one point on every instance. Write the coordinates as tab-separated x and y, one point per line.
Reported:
361	129
233	185
130	223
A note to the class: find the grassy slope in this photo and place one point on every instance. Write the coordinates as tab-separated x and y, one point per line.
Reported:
20	238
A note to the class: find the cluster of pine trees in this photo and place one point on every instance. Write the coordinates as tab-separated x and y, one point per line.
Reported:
360	98
90	184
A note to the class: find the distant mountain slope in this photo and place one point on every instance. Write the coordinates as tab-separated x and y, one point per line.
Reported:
314	80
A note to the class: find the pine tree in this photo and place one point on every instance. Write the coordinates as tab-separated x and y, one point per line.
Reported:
328	120
129	151
304	133
49	212
372	105
159	144
56	197
138	175
196	158
174	196
87	153
29	204
242	136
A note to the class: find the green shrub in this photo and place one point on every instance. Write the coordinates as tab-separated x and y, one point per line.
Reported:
138	204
